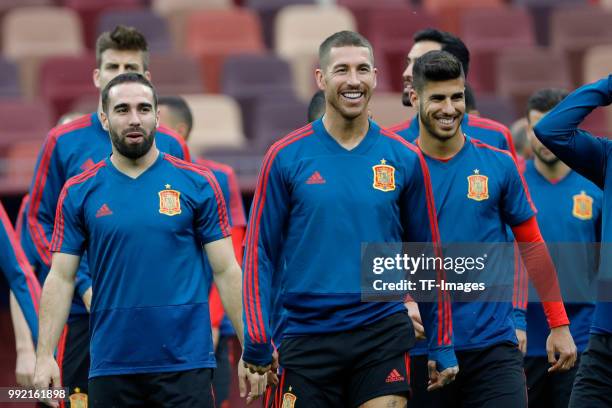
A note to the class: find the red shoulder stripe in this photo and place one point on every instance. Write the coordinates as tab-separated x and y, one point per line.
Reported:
58	230
20	215
400	126
490	124
221	207
178	138
37	231
253	312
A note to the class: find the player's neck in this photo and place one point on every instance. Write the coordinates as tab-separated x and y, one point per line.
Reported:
134	167
553	172
347	132
437	148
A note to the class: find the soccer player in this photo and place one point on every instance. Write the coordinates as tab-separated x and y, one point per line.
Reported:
316	107
144	217
569	211
590	157
478	191
320	194
175	113
486	130
67	151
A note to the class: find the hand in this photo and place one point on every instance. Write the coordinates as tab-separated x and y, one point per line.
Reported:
521	335
257	382
560	342
415	316
215	337
46	375
24	368
87	298
440	379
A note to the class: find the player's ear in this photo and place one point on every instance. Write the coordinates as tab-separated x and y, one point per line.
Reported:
319	77
414	98
96	77
147	74
104	120
375	70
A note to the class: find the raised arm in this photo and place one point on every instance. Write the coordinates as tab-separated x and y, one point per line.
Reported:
558	131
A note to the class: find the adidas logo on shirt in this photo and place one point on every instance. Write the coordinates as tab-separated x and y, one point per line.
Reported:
315	179
103	211
394	376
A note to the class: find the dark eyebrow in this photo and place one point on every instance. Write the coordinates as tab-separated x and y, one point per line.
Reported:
458	94
120	106
145	105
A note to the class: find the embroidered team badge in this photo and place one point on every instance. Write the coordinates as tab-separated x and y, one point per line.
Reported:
478	186
583	206
169	201
384	176
78	399
289	399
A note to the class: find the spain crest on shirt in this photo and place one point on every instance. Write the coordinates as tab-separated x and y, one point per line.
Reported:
384	176
169	201
289	399
478	186
583	206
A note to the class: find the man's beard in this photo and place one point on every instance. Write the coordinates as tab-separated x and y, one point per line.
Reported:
406	99
132	151
427	122
547	161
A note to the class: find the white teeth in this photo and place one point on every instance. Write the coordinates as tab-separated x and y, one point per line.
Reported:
446	121
352	95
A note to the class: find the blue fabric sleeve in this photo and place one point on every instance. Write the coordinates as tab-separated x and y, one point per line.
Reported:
520	319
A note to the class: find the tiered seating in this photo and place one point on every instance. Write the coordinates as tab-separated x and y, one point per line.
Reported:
152	26
267	11
174	74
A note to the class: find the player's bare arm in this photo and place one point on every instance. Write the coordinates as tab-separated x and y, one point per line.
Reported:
26	356
54	308
228	278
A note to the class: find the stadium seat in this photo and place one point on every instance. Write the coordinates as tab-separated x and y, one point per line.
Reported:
90	10
598	64
520	72
247	78
361	10
174	74
267	10
20	160
177	11
390	32
9	79
486	32
32	33
299	30
215	34
152	26
65	79
23	120
449	12
217	123
574	30
387	109
275	119
498	108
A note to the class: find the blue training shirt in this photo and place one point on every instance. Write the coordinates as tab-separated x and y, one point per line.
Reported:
144	237
68	150
590	156
315	204
478	219
569	212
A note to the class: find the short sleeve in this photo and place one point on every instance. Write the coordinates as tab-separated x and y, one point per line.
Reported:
211	221
516	204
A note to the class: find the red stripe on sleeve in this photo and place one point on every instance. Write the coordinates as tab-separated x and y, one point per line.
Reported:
256	328
20	215
541	271
400	126
478	121
179	139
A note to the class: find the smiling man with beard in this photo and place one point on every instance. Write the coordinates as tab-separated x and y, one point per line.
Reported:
478	191
144	217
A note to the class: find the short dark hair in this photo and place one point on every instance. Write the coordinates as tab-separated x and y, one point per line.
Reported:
435	66
122	38
342	39
450	43
545	99
179	107
126	78
470	99
316	107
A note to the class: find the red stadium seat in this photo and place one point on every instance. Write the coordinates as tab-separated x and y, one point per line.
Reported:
23	121
9	79
486	32
275	119
520	72
361	9
65	79
267	10
215	34
174	74
574	30
450	11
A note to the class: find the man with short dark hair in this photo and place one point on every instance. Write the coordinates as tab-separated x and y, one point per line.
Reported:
67	151
478	191
318	192
175	113
144	218
589	156
569	216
